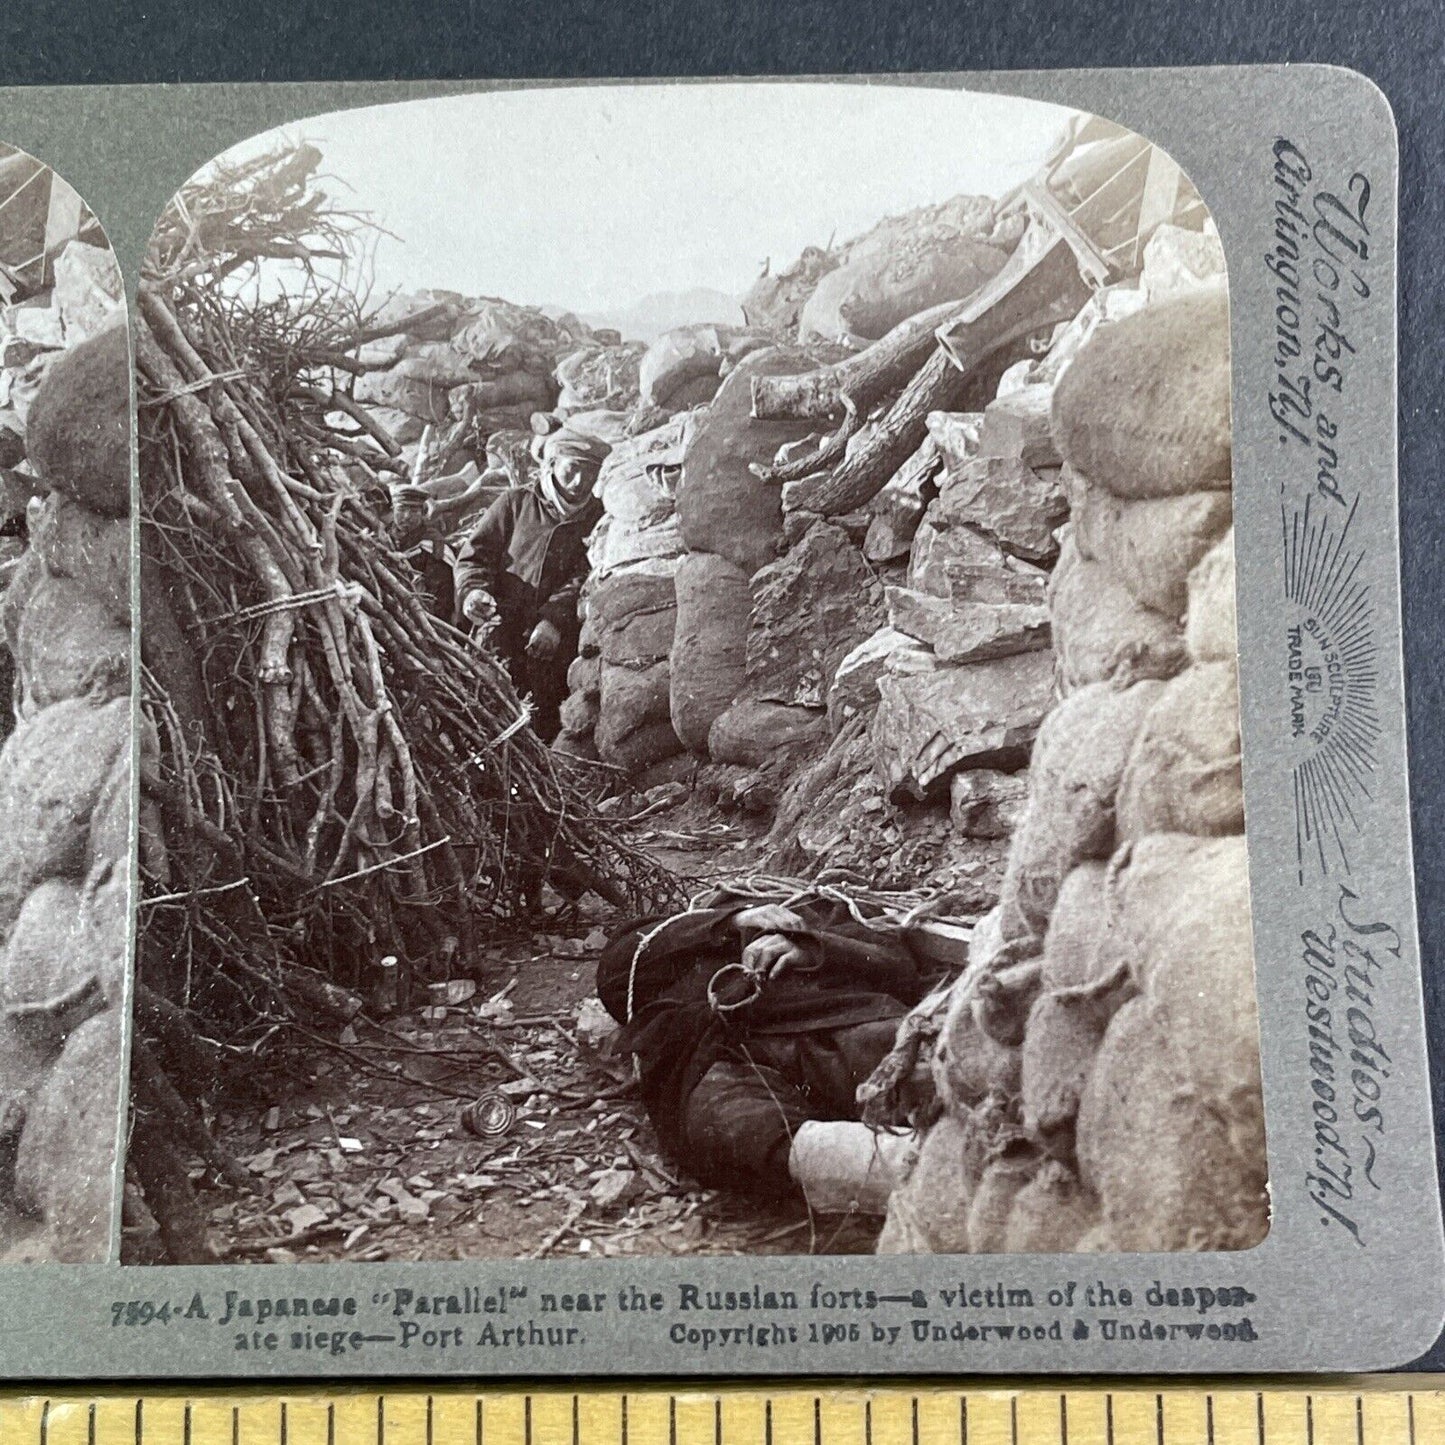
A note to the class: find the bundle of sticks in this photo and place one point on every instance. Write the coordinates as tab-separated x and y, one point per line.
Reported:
341	787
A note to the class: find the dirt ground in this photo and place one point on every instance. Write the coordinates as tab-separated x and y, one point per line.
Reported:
368	1157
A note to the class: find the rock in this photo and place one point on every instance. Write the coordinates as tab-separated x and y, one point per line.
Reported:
1177	261
955	435
92	550
1019	426
69	645
894	514
988	713
615	1187
1007	500
1101	633
753	731
1210	624
66	1166
710	639
855	684
722	507
1145	408
960	562
1184	773
985	803
1078	760
52	769
1150	545
78	431
89	291
809	609
967	631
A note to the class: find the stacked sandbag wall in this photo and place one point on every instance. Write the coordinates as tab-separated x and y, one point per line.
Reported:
65	809
619	706
437	355
1098	1062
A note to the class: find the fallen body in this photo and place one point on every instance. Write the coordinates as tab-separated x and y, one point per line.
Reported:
753	1027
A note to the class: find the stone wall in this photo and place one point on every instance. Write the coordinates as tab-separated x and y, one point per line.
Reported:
1095	1069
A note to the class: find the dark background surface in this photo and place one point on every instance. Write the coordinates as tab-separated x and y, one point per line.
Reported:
1400	46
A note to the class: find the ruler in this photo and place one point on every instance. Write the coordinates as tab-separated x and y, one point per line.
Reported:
1385	1411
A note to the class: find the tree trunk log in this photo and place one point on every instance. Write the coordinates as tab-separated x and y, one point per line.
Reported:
866	378
1038	293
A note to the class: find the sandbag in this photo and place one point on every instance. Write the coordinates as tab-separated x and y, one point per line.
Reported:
1150	545
877	287
420	399
1184	773
1210	624
615	546
78	432
599	377
1062	1036
1074	946
928	1211
1171	1172
614	599
643	637
104	926
752	732
968	1063
1181	923
28	573
48	985
575	745
631	697
710	638
584	674
1100	632
52	768
639	751
69	645
66	1164
1144	409
109	836
1074	775
90	549
579	712
721	506
688	354
1051	1213
993	1200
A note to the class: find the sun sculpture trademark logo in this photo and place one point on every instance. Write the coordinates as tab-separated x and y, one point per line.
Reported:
1332	683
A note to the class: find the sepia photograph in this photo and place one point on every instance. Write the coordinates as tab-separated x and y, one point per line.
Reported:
65	719
689	693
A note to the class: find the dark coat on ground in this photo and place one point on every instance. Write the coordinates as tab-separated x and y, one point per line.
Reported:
799	1052
533	566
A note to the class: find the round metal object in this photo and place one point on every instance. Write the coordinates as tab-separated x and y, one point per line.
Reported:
489	1116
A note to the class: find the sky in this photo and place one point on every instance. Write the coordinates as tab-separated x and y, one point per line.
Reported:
592	197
